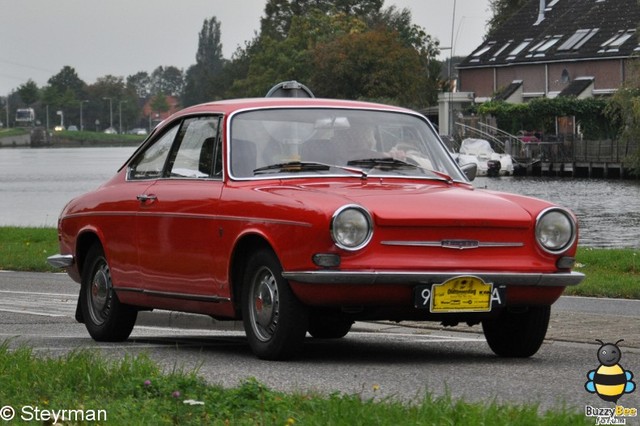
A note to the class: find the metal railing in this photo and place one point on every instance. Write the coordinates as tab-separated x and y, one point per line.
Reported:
556	149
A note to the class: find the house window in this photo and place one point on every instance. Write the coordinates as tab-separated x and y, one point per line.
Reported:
614	43
518	49
540	48
565	77
502	49
578	39
483	50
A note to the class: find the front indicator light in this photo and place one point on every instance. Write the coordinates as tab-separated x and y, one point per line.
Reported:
566	262
326	260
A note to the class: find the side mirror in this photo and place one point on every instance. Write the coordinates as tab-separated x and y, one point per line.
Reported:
470	170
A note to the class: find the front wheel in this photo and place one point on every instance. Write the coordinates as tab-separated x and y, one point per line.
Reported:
517	333
274	320
105	318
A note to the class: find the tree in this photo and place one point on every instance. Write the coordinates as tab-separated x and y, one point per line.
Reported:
346	49
168	80
159	103
279	14
502	10
202	80
29	92
107	97
371	65
140	82
624	111
67	79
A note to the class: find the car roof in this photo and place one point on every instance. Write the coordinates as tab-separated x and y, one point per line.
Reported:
232	105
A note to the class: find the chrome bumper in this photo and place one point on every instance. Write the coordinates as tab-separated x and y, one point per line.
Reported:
560	279
60	260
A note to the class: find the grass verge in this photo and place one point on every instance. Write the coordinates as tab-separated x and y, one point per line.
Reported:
609	272
27	249
134	391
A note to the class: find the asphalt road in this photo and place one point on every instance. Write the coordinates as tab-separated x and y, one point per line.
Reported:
379	360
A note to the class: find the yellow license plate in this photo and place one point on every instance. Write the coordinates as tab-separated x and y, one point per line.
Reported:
461	294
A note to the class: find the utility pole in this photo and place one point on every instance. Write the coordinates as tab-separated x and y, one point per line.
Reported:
110	111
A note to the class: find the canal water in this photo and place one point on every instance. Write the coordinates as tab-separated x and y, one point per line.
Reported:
35	184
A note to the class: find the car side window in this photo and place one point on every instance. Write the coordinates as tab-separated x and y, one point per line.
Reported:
195	155
151	163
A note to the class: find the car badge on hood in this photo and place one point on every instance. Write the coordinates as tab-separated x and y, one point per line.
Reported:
460	244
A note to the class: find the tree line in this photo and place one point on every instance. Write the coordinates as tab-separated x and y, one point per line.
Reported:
353	49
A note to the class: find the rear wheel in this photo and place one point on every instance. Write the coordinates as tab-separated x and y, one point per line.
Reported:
274	320
104	316
321	327
517	333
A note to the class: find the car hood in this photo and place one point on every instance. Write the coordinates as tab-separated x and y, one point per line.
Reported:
415	204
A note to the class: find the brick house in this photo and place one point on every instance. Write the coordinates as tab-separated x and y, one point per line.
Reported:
554	48
155	117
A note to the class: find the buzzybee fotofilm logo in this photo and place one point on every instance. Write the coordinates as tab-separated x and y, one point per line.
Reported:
610	381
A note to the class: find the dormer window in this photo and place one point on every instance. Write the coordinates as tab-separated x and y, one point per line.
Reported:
614	43
578	39
540	48
483	50
519	49
502	49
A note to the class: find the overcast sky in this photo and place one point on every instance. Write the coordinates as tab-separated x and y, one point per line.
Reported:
122	37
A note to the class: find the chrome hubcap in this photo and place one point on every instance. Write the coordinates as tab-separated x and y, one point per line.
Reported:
265	304
100	295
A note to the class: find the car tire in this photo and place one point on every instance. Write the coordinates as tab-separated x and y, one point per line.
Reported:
106	319
321	327
517	333
274	320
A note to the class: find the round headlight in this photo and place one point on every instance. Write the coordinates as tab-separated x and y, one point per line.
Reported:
555	230
351	227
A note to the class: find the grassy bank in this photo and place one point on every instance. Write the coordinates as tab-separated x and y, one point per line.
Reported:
610	272
13	132
79	138
134	391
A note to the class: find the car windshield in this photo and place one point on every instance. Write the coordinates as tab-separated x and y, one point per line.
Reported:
291	142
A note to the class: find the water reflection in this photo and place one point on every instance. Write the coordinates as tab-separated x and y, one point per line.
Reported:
608	210
36	183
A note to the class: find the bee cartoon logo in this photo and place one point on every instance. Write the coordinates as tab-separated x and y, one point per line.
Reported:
609	381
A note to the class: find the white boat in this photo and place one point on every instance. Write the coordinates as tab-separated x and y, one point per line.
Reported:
489	162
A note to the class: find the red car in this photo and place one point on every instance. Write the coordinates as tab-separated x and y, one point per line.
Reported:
305	215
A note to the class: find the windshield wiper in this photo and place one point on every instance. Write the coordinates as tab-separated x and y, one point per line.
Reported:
389	163
293	166
386	163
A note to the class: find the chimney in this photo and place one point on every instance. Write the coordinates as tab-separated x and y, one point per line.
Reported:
541	12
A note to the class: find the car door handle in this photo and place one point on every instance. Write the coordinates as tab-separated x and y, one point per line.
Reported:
143	198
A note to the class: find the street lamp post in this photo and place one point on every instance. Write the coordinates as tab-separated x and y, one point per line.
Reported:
110	111
449	118
81	121
120	113
61	114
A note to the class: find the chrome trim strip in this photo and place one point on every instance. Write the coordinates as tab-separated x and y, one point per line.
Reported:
171	295
61	260
226	218
452	244
558	279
